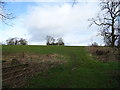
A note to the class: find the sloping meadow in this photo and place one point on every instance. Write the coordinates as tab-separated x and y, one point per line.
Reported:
64	67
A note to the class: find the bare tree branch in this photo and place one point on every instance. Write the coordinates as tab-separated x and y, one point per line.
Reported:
4	15
101	24
74	2
108	20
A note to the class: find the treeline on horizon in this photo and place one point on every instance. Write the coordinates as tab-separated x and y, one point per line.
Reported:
21	41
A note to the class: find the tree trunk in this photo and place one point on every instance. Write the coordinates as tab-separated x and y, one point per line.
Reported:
112	34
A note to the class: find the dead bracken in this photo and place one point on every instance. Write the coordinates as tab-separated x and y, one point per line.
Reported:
28	66
30	58
104	54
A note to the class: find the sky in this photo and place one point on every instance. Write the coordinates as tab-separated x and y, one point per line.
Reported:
37	19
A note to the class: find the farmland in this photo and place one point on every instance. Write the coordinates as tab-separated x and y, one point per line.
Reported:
79	69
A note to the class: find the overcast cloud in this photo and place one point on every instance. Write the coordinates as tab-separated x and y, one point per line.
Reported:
57	20
70	23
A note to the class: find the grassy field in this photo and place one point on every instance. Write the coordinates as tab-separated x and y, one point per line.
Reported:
80	71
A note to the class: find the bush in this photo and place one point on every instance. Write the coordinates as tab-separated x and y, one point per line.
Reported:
100	52
94	44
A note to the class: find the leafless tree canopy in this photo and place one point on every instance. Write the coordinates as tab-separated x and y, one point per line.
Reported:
16	41
4	14
51	41
107	20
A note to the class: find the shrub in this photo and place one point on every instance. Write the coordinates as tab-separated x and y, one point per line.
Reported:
94	44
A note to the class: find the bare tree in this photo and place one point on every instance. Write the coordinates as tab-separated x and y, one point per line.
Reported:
94	44
50	40
74	2
107	20
16	41
22	41
60	41
118	43
10	41
4	14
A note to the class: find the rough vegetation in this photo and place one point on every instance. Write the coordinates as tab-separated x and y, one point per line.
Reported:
104	54
74	67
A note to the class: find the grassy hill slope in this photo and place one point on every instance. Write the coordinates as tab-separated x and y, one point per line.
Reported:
80	71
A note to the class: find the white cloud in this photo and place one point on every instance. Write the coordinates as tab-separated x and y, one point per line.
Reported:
57	20
70	23
17	30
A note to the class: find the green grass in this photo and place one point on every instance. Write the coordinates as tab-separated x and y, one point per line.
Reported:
81	71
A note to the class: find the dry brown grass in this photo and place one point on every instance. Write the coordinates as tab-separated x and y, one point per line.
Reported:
33	58
108	53
36	63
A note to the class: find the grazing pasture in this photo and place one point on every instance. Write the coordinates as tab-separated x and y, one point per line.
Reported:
78	68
